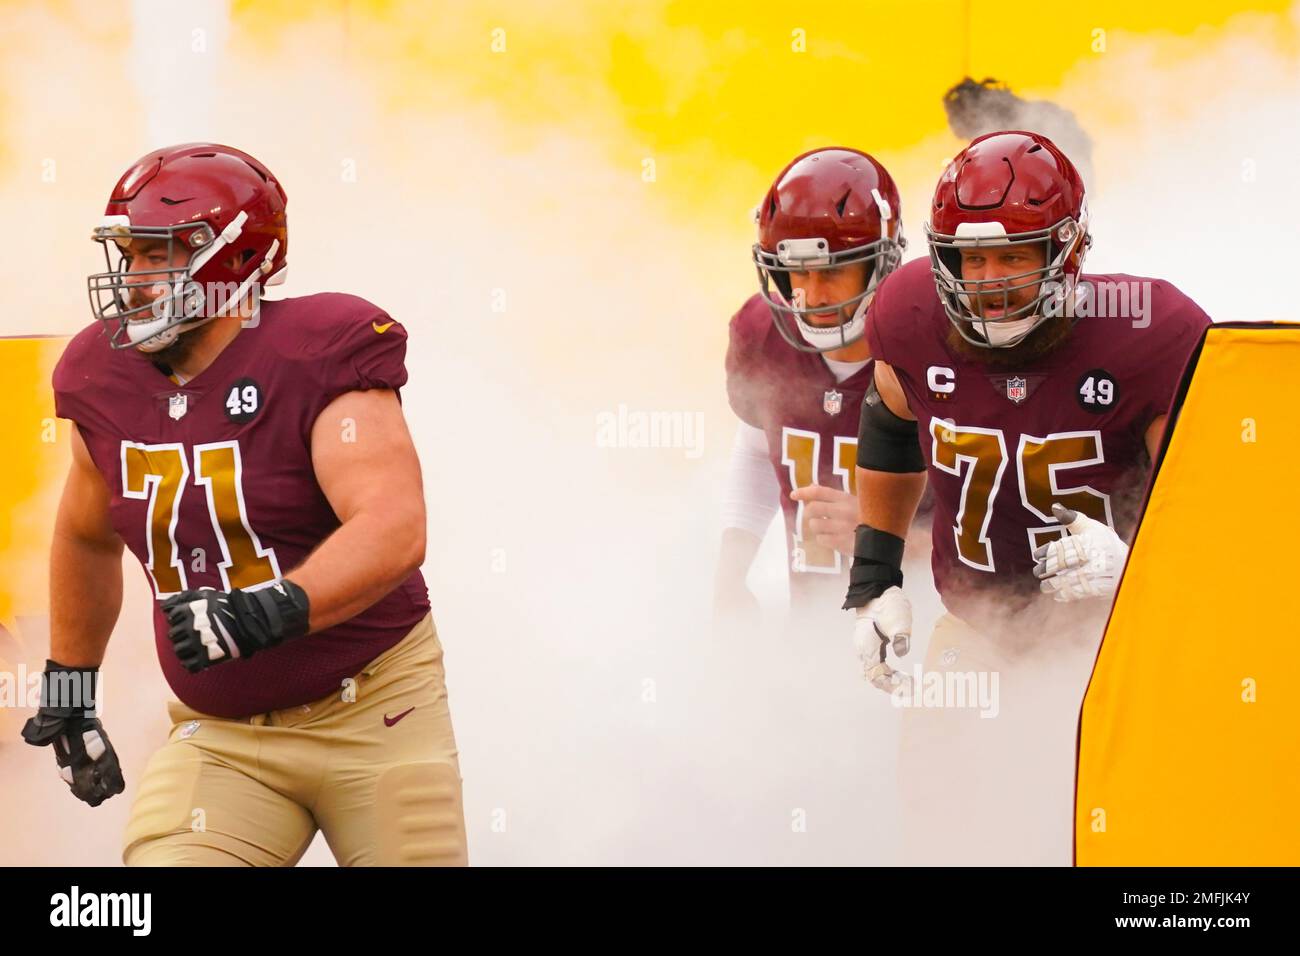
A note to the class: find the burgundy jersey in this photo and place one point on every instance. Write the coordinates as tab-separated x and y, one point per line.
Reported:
811	424
212	482
1002	446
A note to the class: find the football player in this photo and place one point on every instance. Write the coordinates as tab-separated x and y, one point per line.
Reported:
1034	397
829	230
254	457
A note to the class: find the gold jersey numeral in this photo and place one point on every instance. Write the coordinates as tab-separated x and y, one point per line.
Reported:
979	457
244	562
1041	462
981	453
160	474
800	453
157	473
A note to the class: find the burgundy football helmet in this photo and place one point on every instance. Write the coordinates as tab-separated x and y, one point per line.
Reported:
213	201
1008	188
828	208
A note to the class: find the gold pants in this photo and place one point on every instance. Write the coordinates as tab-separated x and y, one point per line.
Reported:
373	766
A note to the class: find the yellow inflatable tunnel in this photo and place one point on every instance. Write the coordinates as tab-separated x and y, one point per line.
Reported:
35	445
1189	738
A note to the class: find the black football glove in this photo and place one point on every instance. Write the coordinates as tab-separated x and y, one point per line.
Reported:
87	762
209	627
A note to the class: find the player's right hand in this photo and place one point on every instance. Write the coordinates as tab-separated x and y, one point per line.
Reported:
87	762
208	627
830	516
882	623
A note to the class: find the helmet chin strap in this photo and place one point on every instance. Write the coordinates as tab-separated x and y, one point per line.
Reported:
167	336
154	334
157	334
826	338
1001	334
1009	332
160	340
157	343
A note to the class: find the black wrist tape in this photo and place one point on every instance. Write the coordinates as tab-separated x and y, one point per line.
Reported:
283	608
877	565
68	691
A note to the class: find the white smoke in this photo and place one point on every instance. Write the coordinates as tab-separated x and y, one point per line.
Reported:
600	719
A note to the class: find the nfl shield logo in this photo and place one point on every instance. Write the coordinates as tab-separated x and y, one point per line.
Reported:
832	402
1016	390
176	406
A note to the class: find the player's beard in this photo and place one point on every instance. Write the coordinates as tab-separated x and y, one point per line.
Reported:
180	351
1036	345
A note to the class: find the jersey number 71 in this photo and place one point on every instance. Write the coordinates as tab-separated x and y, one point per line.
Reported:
160	474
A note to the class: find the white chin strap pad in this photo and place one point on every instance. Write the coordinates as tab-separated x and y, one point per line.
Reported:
150	335
1000	333
160	340
156	342
835	336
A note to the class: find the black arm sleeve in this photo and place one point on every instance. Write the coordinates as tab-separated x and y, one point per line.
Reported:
885	441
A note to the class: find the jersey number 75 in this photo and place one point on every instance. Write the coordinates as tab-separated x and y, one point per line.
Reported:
978	456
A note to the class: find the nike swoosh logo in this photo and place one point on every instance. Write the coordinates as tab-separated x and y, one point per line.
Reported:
389	721
381	329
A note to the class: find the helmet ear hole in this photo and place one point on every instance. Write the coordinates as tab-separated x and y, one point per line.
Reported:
236	260
951	259
782	281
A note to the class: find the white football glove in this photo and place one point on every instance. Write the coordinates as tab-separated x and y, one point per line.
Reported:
1085	562
882	622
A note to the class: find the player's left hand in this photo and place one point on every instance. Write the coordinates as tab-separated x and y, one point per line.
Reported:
209	627
66	722
830	516
882	623
1085	562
